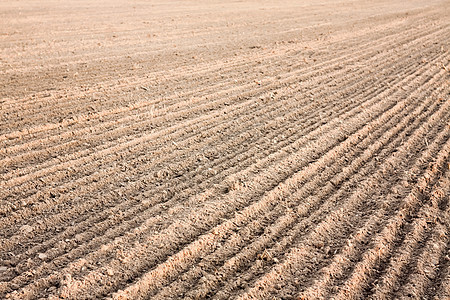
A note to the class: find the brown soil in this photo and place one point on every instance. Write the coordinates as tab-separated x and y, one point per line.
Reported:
224	149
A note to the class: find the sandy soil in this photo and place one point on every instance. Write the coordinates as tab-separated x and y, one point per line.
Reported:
224	149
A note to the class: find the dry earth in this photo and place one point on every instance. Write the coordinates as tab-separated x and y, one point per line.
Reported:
224	149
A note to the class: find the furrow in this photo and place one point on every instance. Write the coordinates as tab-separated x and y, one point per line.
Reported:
300	133
181	254
224	150
311	210
384	242
427	265
247	253
442	291
180	223
299	257
388	281
349	255
93	116
207	65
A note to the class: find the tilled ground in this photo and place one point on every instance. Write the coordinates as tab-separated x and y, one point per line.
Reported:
224	150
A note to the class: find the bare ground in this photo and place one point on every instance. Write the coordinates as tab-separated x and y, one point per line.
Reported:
224	150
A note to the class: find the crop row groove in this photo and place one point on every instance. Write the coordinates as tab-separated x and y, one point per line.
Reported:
301	254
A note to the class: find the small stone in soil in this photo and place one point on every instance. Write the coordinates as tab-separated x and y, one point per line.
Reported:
26	229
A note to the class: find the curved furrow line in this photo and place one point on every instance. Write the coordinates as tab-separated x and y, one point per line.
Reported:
362	239
310	208
334	133
197	216
425	267
90	116
322	64
430	213
274	232
220	113
301	258
383	244
388	282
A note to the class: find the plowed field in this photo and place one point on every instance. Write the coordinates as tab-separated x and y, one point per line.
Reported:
224	149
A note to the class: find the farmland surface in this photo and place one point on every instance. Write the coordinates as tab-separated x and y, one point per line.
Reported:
224	149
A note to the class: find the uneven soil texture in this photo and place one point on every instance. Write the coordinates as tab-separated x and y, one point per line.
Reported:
225	149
